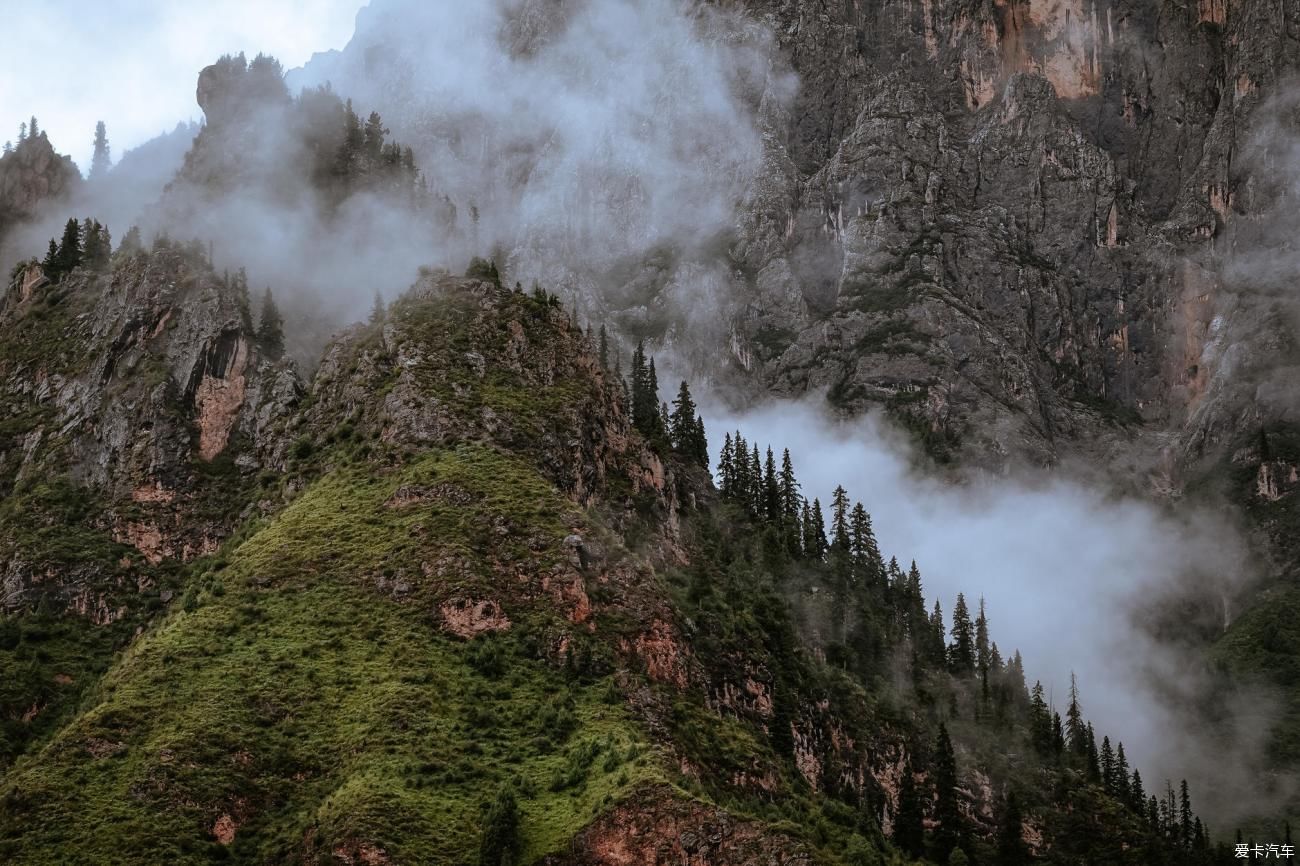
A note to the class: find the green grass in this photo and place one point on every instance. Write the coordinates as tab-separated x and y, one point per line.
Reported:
294	696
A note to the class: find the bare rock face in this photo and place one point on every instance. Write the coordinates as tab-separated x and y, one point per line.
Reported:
657	828
146	391
1007	223
33	173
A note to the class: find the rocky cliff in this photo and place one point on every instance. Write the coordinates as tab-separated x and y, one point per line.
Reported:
32	174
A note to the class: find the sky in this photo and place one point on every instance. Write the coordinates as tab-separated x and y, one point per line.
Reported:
134	63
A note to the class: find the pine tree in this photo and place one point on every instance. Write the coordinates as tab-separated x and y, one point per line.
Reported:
1184	815
755	474
726	468
681	425
982	659
1076	733
22	132
239	285
946	811
961	652
1093	764
501	844
1011	842
1040	722
818	531
789	486
806	543
935	647
373	138
69	254
9	147
1107	765
100	162
700	442
840	520
51	263
604	349
1119	778
131	242
908	823
270	328
771	496
1137	797
32	129
377	311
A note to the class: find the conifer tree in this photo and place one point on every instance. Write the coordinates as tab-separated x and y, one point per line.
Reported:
1119	777
1137	796
961	652
1040	722
270	328
726	467
9	147
682	429
946	811
809	547
1093	764
755	473
908	823
1011	842
69	253
1107	765
840	520
652	387
22	132
789	486
604	348
1184	815
239	285
100	162
935	648
500	844
982	659
818	531
700	442
771	496
32	129
377	311
131	242
1076	732
50	264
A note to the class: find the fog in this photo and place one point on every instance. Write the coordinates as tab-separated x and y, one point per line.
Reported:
1069	574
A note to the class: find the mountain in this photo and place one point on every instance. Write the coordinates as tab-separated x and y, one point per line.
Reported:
1035	234
362	618
447	586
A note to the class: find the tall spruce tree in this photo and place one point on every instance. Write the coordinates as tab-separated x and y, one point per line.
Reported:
1076	731
961	652
946	810
69	253
909	827
684	431
771	498
982	659
1011	843
604	348
270	328
101	161
726	467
